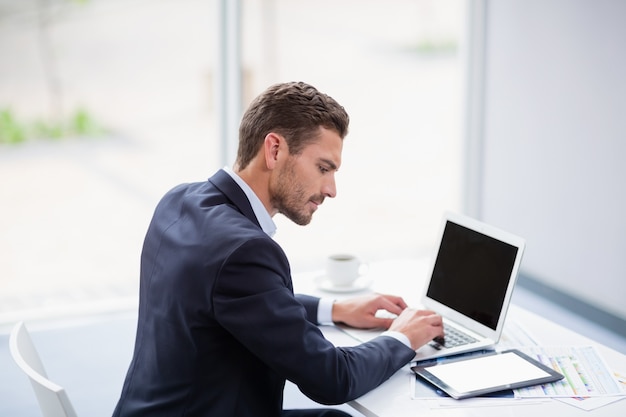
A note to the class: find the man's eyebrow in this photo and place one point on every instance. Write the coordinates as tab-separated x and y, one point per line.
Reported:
330	163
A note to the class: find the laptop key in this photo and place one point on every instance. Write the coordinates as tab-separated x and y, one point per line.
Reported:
439	340
454	338
451	339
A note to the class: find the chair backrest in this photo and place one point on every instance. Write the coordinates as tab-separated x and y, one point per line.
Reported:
53	400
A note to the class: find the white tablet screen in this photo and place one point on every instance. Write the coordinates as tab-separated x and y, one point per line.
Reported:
486	372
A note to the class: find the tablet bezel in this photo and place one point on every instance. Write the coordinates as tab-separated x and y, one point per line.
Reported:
424	373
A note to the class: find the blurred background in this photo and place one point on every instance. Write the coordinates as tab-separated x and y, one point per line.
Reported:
508	110
107	104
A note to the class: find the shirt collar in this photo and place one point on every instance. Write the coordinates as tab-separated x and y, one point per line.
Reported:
263	217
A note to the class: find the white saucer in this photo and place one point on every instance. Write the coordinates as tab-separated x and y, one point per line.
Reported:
361	283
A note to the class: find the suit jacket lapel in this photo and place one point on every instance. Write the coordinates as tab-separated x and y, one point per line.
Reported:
224	182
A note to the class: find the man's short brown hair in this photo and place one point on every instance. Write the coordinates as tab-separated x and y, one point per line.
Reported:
296	111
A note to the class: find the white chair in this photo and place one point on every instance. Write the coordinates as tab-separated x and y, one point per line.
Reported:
53	400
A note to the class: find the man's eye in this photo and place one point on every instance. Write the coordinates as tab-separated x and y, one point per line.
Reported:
323	170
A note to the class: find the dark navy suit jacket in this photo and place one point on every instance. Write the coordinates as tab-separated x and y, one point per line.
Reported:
219	328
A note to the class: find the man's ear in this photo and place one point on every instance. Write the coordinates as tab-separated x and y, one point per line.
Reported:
271	148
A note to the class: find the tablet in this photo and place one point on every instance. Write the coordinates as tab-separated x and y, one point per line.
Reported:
484	374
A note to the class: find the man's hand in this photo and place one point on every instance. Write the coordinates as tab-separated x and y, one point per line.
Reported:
360	312
420	326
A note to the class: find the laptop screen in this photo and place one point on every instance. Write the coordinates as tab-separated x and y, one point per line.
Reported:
471	273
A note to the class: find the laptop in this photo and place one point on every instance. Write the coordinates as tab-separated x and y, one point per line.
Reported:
473	273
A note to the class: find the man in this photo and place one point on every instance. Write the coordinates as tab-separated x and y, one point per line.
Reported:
219	328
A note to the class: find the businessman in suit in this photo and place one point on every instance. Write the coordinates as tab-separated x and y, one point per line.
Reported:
219	327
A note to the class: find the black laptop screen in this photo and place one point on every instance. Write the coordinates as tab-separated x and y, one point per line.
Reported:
471	273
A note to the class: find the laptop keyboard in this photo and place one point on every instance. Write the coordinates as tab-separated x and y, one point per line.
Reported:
452	338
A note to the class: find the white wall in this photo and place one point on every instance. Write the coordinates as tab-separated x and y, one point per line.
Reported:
548	118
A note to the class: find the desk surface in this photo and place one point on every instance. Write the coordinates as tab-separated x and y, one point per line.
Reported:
393	399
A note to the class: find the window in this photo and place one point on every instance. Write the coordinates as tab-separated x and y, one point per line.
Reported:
396	67
129	88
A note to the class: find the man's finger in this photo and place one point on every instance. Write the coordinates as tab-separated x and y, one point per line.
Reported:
393	304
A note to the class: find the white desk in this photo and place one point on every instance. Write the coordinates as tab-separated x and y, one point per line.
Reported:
393	399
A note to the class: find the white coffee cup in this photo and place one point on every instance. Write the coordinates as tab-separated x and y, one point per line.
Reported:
343	269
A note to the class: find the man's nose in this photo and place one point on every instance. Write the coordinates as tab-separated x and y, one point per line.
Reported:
330	188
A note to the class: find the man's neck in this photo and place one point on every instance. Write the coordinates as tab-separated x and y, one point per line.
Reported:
258	180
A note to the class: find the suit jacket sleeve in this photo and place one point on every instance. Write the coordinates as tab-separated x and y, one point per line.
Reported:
311	305
254	301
